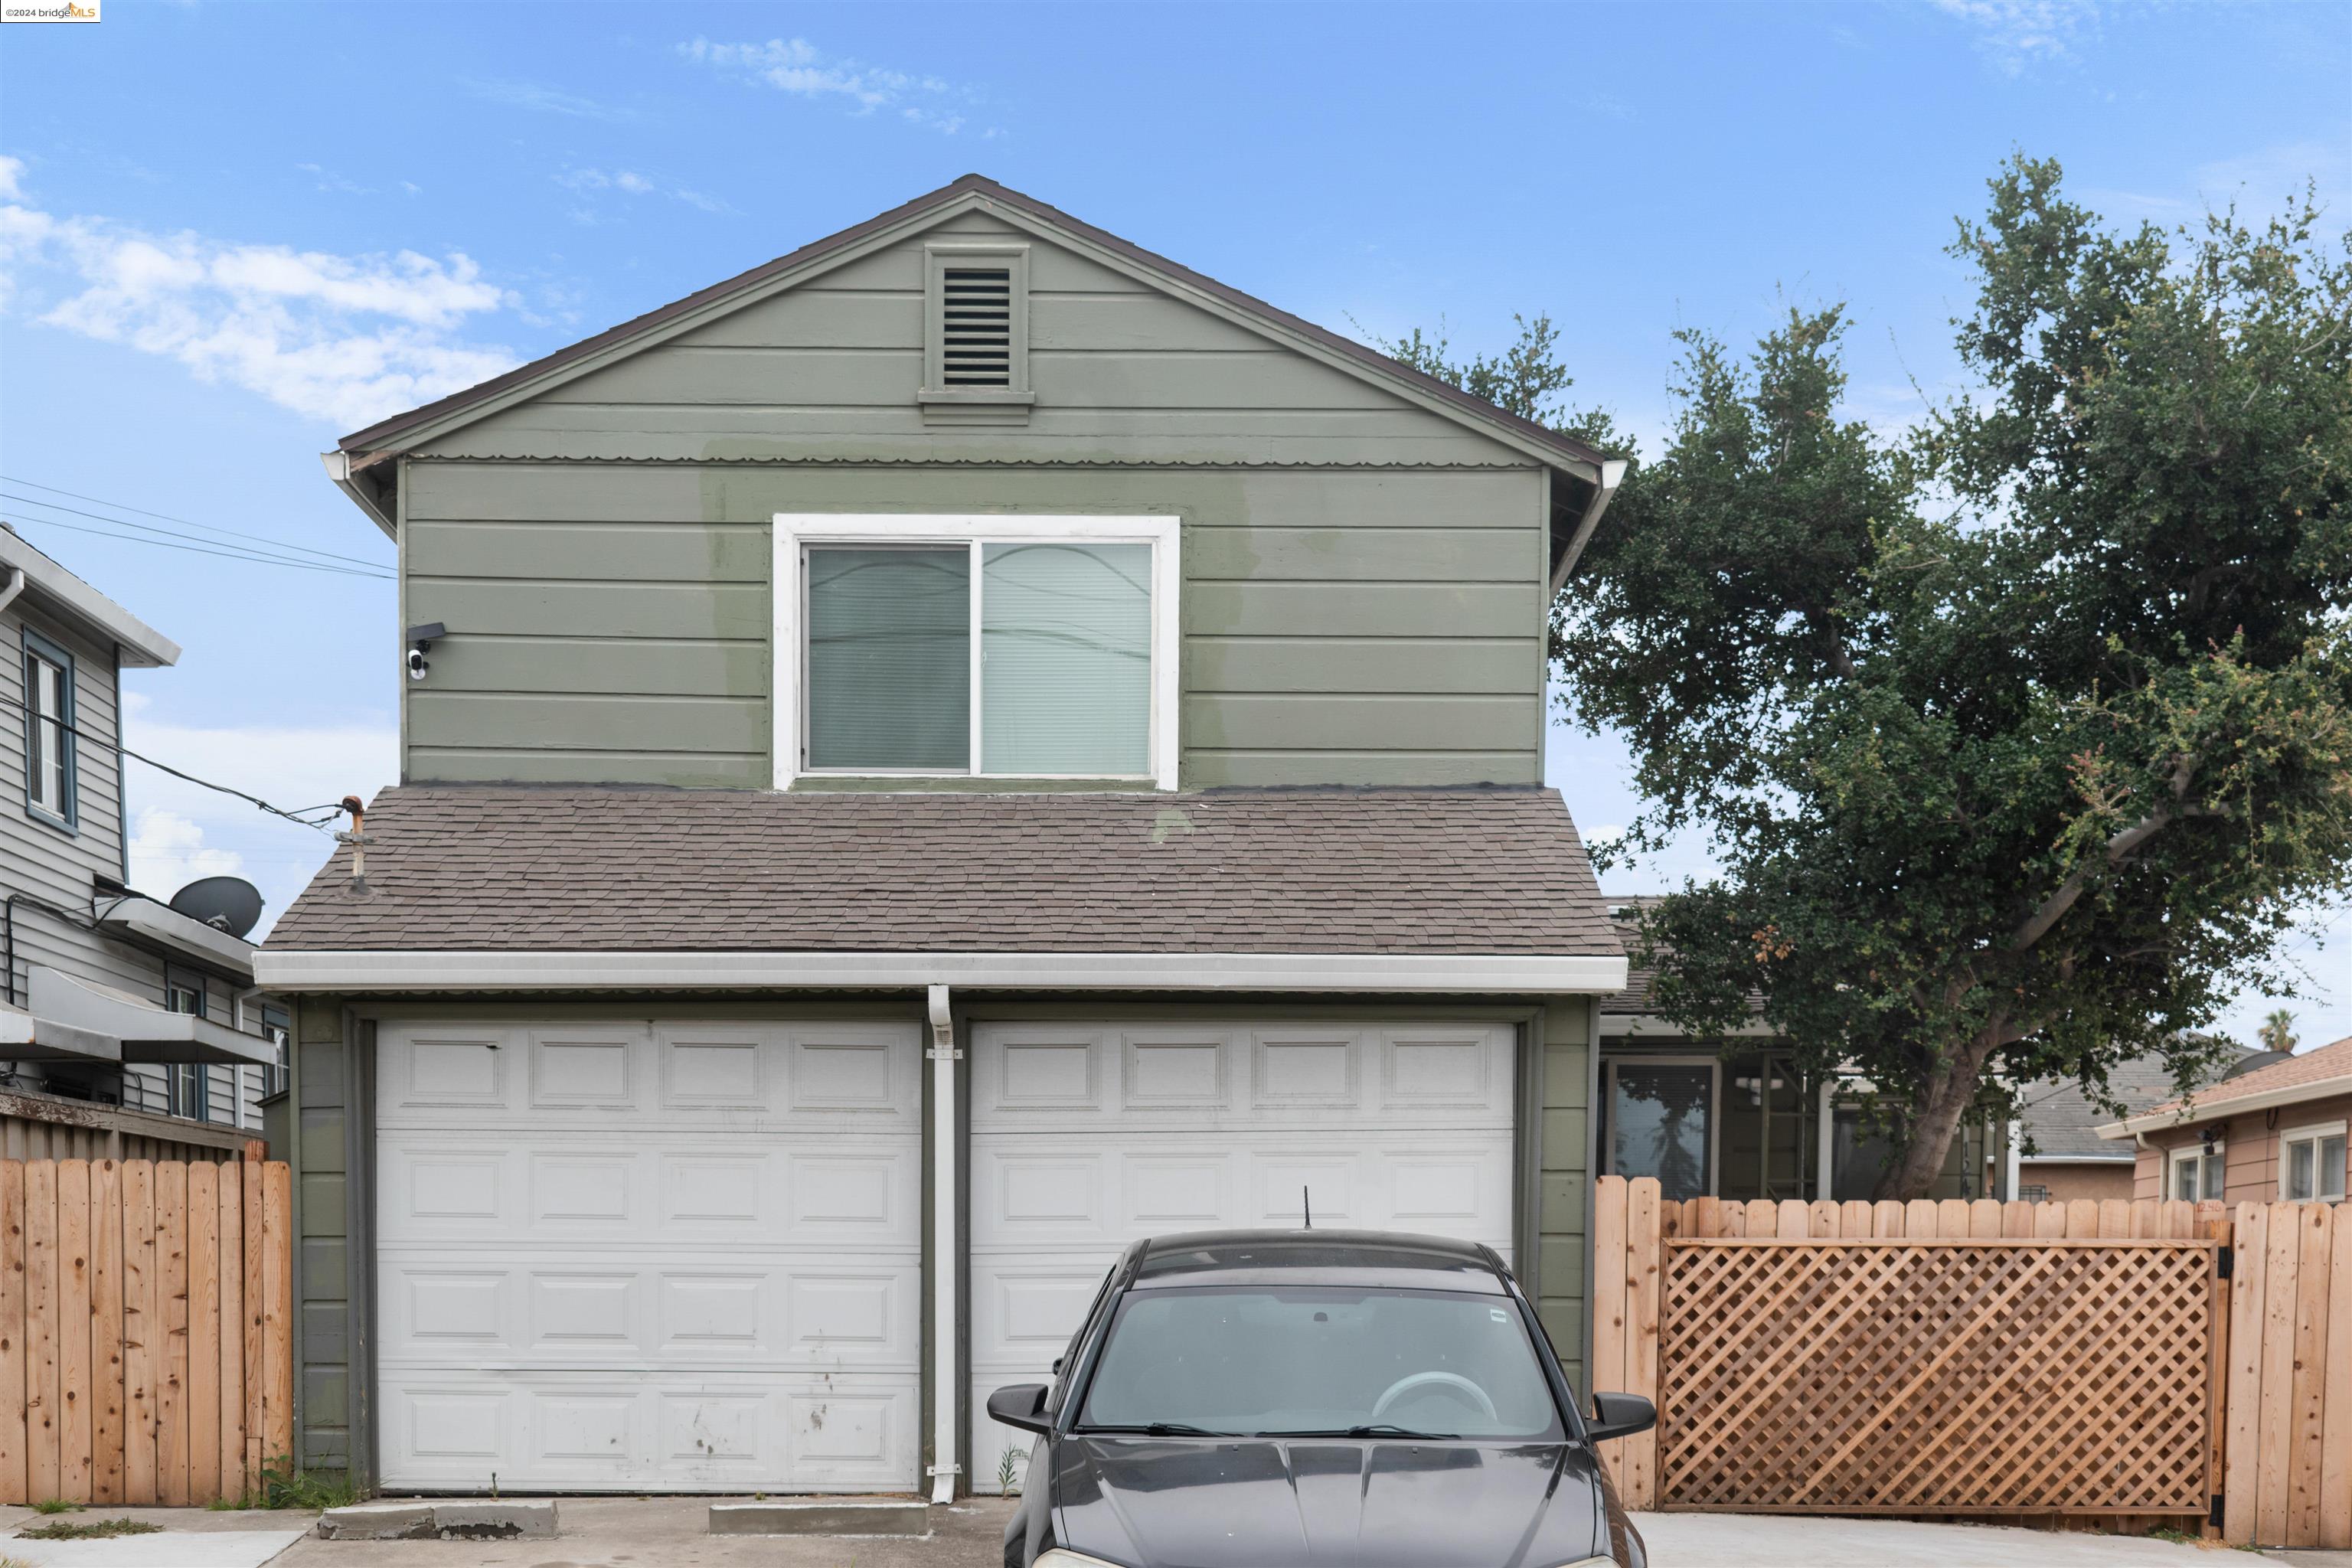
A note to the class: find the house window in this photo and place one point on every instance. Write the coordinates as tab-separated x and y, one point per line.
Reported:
2196	1173
1661	1122
49	731
976	333
985	646
2311	1164
185	1083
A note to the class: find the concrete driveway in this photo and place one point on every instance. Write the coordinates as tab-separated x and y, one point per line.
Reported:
1775	1540
667	1533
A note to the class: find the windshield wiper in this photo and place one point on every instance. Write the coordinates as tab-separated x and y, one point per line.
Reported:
1368	1429
1156	1429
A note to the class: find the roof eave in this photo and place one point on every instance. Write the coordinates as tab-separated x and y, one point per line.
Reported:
64	594
288	970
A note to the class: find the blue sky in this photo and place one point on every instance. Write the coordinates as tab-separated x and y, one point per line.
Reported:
235	231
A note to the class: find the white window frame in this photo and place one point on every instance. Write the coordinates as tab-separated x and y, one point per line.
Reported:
1608	1149
2195	1153
795	532
2311	1132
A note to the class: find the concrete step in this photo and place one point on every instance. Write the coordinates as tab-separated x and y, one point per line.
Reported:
414	1519
822	1516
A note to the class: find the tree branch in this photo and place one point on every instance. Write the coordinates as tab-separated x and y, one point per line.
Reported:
2120	848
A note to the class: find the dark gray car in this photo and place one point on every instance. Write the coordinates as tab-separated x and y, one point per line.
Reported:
1281	1399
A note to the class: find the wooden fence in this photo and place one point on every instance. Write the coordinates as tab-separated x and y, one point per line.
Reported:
2084	1360
2287	1473
146	1329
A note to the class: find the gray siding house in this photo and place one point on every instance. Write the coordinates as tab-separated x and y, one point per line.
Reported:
127	1030
958	748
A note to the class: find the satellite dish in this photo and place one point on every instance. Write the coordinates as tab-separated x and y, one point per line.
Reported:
230	903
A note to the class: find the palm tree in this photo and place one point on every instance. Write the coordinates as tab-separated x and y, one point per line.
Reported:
2277	1033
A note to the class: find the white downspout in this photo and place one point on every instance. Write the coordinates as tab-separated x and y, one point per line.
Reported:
943	1055
16	586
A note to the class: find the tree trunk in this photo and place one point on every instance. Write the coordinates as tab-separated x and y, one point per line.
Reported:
1950	1092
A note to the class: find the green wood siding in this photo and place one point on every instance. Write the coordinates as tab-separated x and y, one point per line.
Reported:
1563	1181
610	622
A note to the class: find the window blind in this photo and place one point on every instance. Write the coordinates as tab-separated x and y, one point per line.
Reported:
889	659
1066	658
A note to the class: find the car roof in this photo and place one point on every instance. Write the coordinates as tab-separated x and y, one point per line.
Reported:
1316	1258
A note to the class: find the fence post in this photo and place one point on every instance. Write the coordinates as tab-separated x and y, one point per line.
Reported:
1644	1265
1609	1304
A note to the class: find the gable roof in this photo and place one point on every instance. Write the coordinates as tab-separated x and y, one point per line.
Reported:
393	434
61	592
2317	1074
1375	871
2063	1121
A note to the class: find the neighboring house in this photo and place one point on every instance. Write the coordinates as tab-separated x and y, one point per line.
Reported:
1735	1118
128	1029
2061	1155
2274	1133
956	749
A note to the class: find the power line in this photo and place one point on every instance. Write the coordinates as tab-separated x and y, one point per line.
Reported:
80	734
197	549
272	554
167	517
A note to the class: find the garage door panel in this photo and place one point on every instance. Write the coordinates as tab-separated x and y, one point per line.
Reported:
716	1309
1065	1078
590	1431
764	1189
1087	1136
682	1255
849	1077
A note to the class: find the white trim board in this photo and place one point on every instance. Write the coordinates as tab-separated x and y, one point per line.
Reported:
1369	973
787	595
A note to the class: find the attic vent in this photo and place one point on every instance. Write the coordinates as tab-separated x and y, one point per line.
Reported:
976	326
975	333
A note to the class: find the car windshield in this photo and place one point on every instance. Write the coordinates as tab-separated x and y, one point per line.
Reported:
1262	1361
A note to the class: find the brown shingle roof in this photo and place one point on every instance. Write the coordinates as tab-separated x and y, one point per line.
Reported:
2321	1065
508	868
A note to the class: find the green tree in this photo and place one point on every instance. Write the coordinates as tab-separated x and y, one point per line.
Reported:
2022	740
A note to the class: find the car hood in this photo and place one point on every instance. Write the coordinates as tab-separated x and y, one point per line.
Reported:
1200	1503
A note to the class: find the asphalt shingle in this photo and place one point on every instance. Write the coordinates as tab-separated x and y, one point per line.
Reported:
508	868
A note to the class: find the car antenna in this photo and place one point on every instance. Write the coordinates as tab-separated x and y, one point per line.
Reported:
1307	1204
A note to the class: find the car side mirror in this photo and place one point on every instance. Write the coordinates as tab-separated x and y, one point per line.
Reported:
1614	1416
1021	1406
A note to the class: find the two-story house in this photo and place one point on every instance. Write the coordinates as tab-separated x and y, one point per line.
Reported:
129	1029
963	746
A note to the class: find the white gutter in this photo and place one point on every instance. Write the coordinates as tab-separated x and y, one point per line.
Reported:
297	970
1612	474
2236	1105
339	469
16	586
944	1320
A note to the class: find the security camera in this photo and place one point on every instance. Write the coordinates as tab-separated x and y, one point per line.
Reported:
419	639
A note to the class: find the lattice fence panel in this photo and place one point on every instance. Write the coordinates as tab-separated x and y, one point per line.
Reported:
1885	1377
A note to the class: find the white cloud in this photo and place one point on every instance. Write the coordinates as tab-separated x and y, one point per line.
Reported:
12	177
589	183
179	831
2016	34
168	852
797	67
545	99
343	339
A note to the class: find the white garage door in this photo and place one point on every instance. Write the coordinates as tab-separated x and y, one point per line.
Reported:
1085	1137
665	1256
